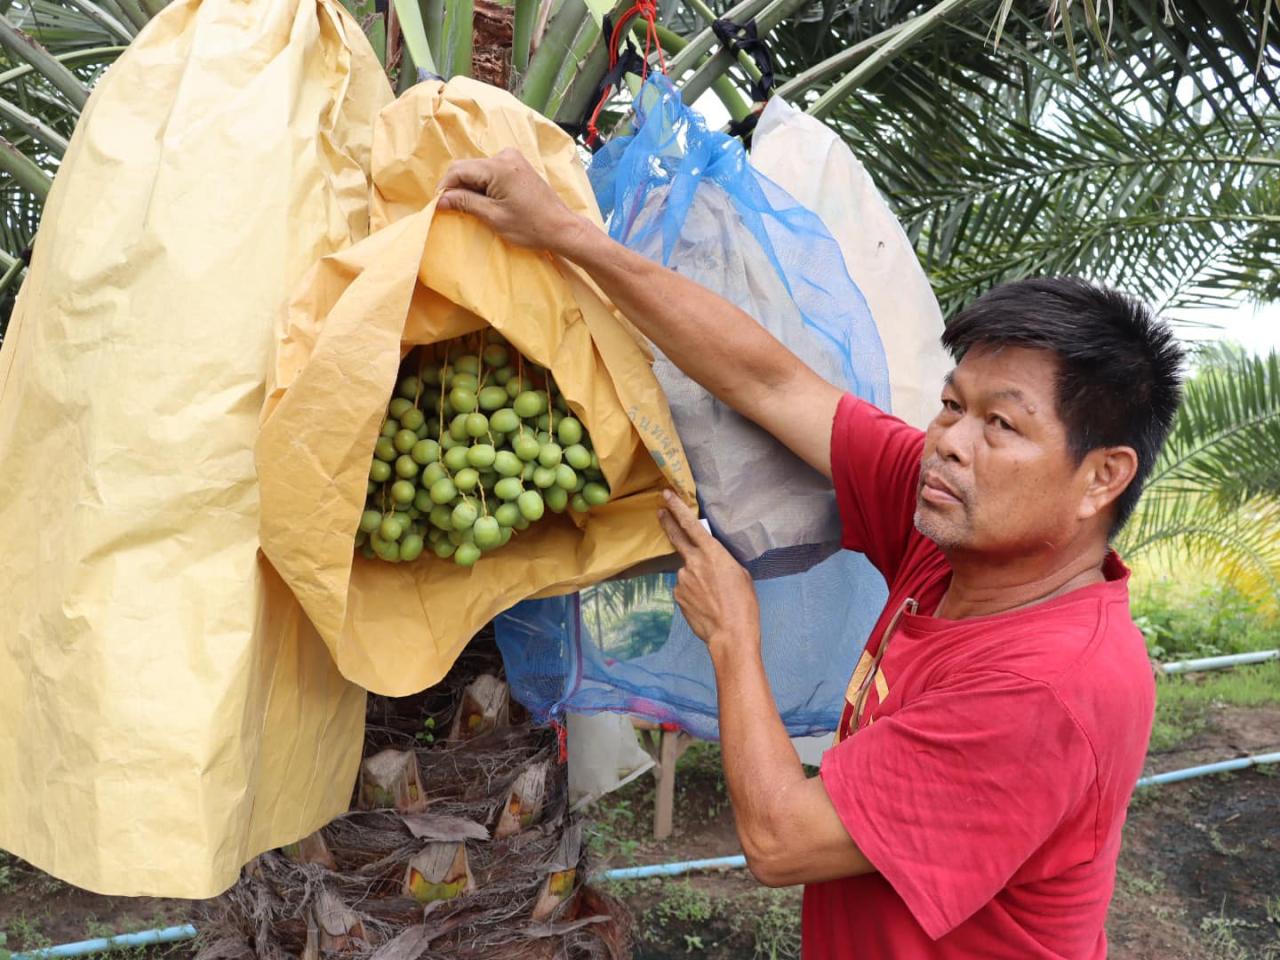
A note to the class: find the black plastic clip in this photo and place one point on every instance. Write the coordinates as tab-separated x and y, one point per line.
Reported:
745	39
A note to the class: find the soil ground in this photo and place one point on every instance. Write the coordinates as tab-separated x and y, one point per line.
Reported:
1199	875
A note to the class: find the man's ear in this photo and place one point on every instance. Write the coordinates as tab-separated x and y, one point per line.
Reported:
1108	471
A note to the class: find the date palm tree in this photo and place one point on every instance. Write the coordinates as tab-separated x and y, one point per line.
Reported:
1137	142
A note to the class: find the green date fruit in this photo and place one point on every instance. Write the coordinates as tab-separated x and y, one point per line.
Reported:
569	431
556	498
492	398
405	440
508	488
488	533
531	505
425	451
504	421
507	464
411	547
443	491
596	494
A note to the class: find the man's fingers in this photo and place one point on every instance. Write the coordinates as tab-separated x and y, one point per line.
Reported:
464	201
468	175
675	533
687	519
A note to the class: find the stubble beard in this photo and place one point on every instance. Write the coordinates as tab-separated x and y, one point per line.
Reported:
948	535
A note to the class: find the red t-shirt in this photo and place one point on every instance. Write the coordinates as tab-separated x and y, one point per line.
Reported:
990	773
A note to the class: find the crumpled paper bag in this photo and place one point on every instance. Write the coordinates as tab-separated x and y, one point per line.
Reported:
803	156
422	278
166	710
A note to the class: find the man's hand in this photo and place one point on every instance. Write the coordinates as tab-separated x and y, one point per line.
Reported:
508	195
713	590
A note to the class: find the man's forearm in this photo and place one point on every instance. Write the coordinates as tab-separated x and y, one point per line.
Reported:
760	763
712	341
789	829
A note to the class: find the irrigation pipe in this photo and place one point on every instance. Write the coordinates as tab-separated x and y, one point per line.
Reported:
146	938
1205	769
672	869
188	932
1218	663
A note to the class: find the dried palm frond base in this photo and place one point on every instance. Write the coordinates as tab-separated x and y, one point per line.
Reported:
436	883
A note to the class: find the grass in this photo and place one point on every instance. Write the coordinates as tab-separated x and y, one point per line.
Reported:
1133	884
1181	622
25	932
684	917
7	878
1220	938
777	925
1183	701
611	833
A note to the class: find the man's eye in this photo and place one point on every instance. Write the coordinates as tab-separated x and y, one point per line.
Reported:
1001	422
950	405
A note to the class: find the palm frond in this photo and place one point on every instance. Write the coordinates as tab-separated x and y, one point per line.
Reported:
1028	169
616	598
1240	545
1214	495
1225	445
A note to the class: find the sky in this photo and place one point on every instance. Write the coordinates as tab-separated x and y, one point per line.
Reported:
1257	329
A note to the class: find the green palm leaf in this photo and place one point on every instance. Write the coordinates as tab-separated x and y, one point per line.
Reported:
1225	445
1214	495
1029	169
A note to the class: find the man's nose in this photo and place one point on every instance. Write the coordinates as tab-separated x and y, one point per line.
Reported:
955	441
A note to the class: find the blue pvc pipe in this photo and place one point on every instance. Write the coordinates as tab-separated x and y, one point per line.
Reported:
1217	663
1204	770
145	938
673	869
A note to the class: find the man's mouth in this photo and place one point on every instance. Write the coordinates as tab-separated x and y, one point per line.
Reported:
933	489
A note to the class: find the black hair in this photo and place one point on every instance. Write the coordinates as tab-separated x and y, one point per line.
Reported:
1119	367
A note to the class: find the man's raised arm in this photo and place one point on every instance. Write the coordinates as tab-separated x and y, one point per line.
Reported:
711	340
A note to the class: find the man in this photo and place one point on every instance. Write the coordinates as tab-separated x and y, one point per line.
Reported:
998	719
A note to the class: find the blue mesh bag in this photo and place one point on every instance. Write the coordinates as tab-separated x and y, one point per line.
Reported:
686	197
624	647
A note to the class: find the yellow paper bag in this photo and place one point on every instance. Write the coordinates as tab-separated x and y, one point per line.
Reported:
166	710
423	278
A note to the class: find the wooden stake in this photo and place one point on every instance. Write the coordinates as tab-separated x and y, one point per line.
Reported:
439	871
390	779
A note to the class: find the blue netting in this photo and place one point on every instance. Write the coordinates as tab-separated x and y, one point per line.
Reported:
672	149
582	654
687	197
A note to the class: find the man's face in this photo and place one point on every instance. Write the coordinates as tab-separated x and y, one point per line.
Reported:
997	476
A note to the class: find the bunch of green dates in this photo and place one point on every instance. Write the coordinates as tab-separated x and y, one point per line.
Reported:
477	445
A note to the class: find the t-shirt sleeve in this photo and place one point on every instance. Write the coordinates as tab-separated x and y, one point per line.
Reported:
949	796
875	466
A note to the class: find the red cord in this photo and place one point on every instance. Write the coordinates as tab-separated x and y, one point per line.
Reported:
562	739
648	9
